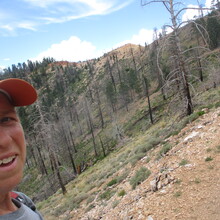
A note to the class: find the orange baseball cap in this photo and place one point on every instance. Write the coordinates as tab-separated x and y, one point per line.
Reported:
19	92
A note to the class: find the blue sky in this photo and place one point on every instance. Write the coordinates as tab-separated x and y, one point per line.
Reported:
76	30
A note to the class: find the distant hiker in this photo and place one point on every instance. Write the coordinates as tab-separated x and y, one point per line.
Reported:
13	205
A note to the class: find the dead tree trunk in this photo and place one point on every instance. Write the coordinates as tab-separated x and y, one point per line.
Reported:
90	123
99	107
148	99
102	145
110	73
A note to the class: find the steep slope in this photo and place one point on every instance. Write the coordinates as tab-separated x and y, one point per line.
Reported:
183	184
190	191
187	191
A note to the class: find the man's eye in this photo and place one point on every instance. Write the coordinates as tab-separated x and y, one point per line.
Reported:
6	119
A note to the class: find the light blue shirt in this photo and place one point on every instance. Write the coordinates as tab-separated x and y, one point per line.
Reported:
23	212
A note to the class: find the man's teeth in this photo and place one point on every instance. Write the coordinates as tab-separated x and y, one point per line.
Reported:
7	160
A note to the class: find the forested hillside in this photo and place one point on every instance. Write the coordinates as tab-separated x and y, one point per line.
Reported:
90	110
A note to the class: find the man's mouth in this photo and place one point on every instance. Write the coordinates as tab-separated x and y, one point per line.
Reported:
7	161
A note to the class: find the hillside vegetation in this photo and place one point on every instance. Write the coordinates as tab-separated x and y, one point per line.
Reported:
178	179
103	128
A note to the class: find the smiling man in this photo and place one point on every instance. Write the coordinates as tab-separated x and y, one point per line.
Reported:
13	205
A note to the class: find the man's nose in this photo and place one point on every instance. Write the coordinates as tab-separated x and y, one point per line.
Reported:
5	138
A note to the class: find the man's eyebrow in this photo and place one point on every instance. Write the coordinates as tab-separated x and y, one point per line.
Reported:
5	112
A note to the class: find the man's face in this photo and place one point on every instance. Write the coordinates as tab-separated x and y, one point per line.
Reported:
12	146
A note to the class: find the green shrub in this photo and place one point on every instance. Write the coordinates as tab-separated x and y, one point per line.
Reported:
200	113
183	162
141	175
121	193
192	117
153	142
165	149
107	195
112	182
217	104
208	159
197	180
177	194
112	144
143	149
136	158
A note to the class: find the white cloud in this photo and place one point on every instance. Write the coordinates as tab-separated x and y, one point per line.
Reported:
27	25
32	13
2	68
208	3
79	9
6	59
72	49
7	27
4	63
78	6
74	9
143	36
97	5
190	13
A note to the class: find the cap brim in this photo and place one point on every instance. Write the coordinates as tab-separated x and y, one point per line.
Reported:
21	92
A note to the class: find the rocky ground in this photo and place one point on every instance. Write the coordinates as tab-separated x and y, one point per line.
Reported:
184	184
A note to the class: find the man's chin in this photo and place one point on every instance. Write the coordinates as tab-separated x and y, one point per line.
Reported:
10	183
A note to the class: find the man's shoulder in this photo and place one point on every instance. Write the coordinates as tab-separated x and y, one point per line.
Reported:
21	197
27	202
